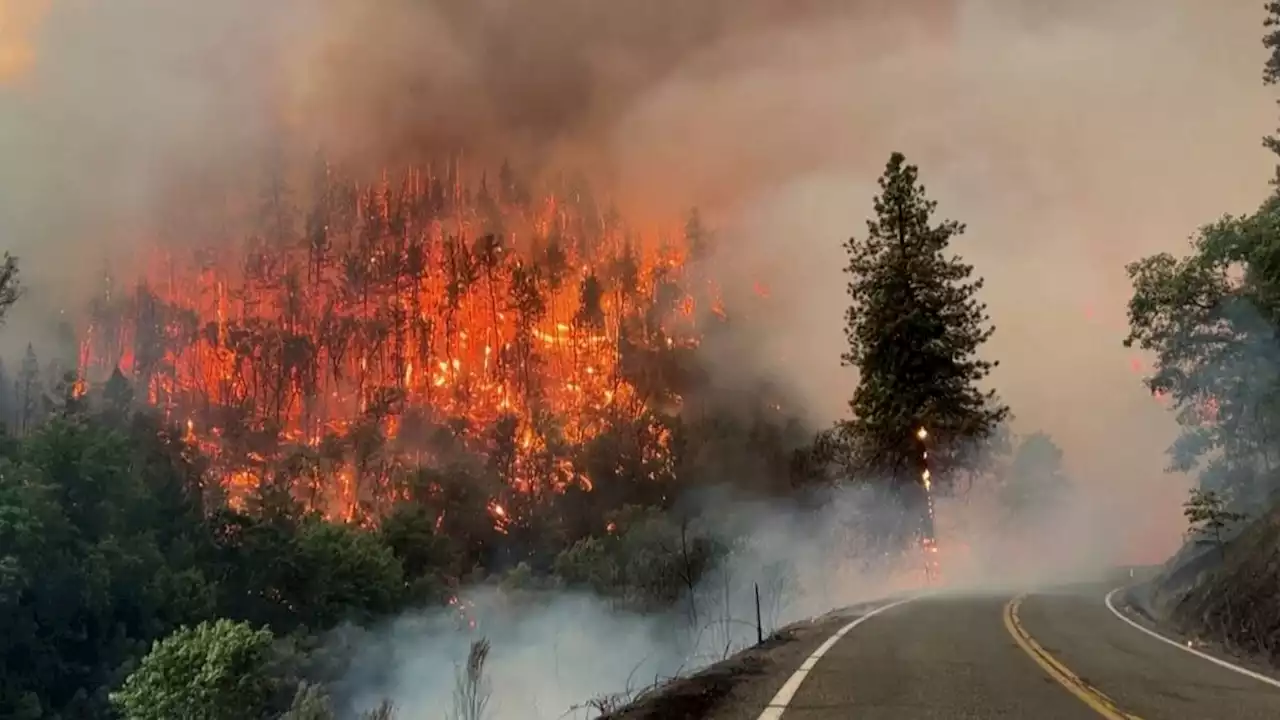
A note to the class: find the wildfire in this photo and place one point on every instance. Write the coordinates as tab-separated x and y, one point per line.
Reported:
500	518
928	540
391	317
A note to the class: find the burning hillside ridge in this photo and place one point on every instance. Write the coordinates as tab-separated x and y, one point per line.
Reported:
365	330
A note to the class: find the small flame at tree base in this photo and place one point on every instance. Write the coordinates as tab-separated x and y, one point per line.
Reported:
932	565
928	539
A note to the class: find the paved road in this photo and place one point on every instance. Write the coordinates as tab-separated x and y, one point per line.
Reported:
1058	656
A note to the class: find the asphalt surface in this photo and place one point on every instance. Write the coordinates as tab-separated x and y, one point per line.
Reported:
957	657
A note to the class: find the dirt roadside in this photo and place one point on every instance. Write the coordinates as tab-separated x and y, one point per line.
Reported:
739	687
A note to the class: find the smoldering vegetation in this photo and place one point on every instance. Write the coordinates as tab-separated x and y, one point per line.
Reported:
594	640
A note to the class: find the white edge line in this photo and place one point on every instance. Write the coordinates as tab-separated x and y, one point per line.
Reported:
789	689
1216	661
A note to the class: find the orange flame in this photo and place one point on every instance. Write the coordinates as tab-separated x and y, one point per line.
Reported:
400	310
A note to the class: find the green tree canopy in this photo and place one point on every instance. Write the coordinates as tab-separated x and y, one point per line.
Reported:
1208	519
1210	320
215	671
100	531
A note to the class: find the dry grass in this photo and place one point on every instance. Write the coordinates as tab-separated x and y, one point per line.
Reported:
472	690
385	711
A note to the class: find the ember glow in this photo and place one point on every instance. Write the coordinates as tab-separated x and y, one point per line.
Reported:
928	540
388	323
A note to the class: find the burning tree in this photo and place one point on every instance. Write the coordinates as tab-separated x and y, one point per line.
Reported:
914	328
388	329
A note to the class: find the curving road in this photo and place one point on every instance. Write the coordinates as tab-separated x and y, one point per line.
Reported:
1058	655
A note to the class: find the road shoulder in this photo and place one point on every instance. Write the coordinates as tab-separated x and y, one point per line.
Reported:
741	686
1124	603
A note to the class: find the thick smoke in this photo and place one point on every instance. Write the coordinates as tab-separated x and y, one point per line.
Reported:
1070	137
556	652
566	654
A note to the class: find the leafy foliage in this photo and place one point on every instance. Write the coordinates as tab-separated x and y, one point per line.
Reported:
106	531
648	560
1209	518
218	670
1210	319
914	327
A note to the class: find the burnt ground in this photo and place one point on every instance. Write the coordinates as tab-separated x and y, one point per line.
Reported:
739	686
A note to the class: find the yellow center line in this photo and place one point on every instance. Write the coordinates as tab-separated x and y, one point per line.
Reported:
1090	695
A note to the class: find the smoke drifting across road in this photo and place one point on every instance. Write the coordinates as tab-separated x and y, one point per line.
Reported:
1071	137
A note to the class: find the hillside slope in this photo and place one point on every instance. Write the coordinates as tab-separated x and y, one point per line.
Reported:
1230	596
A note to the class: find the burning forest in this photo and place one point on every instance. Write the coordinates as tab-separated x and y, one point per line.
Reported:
361	332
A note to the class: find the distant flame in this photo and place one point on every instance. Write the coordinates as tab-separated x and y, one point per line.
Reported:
500	518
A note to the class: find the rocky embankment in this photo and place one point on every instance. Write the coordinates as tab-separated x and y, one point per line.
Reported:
1227	596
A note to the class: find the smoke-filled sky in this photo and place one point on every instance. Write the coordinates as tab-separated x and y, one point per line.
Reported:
1071	137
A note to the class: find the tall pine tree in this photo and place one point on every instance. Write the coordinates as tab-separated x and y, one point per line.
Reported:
1271	70
30	391
914	328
